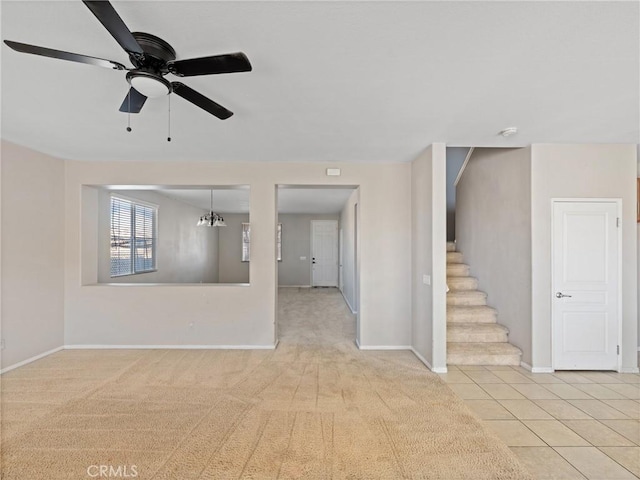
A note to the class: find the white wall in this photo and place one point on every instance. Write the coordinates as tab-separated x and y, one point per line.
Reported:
234	314
232	269
33	225
575	171
422	255
296	243
455	159
493	231
428	249
348	260
185	253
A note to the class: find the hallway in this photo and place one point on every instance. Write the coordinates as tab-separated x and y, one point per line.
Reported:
314	316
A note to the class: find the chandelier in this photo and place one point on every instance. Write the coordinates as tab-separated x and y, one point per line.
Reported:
211	219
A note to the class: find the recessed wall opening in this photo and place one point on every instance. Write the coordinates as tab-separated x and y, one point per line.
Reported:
155	234
317	264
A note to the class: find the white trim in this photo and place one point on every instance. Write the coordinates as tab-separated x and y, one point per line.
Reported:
348	304
542	370
170	347
464	165
294	286
536	369
427	364
144	203
32	359
384	347
358	344
629	370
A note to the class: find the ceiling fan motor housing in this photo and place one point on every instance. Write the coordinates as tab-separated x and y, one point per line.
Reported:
157	53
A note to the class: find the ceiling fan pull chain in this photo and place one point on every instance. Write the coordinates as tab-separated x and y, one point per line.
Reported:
129	112
169	119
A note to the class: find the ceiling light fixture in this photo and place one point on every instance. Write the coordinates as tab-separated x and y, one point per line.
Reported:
507	132
211	219
148	84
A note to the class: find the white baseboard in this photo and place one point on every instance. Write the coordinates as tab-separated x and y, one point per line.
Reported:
629	370
384	347
294	286
170	347
542	370
348	304
29	360
537	369
427	364
525	365
358	343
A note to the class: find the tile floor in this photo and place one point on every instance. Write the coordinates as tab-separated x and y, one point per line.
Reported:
565	425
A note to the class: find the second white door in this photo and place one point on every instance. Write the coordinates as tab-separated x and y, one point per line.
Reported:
324	253
585	285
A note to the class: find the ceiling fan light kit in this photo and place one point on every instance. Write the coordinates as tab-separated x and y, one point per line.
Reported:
149	84
152	58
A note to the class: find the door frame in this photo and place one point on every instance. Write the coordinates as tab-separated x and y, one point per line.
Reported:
618	203
337	223
340	255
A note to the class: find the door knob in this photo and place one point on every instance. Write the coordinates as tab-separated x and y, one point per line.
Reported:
561	295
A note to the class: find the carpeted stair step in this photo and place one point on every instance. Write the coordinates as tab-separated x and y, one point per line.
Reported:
466	297
451	246
473	314
476	332
454	257
483	354
462	283
457	270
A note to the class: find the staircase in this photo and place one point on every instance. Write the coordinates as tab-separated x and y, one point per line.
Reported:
473	335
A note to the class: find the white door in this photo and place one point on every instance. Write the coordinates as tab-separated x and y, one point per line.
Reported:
585	263
324	253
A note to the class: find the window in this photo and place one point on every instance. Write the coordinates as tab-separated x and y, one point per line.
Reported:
246	242
133	237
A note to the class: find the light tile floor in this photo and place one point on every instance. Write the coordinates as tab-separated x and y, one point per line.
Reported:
563	425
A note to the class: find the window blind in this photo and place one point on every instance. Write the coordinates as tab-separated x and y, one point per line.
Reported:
133	240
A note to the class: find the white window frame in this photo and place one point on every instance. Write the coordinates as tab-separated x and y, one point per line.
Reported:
154	246
246	242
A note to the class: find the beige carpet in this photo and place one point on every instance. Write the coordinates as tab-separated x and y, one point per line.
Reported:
315	408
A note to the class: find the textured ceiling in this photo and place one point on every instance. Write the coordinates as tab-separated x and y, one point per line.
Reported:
332	81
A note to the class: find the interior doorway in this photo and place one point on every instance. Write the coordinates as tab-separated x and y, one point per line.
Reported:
318	250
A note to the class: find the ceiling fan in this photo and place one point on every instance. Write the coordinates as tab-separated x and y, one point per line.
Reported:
153	58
